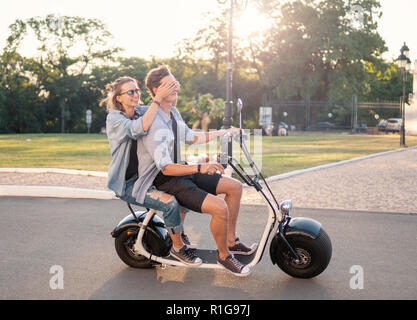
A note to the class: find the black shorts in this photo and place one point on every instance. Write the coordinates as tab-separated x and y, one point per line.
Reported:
191	190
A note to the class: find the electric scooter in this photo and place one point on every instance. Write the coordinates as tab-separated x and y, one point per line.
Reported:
300	246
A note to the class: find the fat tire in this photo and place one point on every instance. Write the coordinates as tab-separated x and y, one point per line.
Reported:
124	244
319	250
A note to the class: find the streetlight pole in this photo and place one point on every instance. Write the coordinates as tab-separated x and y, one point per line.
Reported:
402	134
404	65
227	120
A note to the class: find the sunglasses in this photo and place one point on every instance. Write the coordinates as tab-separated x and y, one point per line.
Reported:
131	92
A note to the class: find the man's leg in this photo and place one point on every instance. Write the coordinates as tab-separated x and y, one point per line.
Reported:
232	188
189	195
217	208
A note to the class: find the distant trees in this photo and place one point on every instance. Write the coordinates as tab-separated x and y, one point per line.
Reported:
68	47
313	48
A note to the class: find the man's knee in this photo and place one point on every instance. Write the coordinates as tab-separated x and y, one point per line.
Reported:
239	187
216	207
236	187
229	186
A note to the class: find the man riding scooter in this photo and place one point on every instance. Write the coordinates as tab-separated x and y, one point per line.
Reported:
194	186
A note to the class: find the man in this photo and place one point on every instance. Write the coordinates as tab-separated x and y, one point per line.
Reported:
194	186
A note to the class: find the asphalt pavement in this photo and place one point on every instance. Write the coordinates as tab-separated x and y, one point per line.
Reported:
62	249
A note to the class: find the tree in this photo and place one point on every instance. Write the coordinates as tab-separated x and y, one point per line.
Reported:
204	110
384	82
314	48
21	108
68	48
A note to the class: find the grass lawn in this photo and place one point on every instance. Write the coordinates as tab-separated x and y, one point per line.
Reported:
279	154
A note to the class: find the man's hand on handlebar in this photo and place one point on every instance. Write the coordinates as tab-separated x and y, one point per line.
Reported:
233	131
211	168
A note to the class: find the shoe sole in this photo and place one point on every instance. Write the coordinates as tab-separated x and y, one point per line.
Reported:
234	273
253	249
186	262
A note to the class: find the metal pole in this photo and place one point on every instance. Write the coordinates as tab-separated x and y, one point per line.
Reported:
307	112
402	135
227	120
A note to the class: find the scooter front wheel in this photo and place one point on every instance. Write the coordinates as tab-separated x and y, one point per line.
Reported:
124	245
314	255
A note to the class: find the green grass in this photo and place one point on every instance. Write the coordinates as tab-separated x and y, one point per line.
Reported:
284	154
70	151
279	154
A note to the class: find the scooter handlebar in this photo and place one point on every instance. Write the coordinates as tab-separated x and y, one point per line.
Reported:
236	135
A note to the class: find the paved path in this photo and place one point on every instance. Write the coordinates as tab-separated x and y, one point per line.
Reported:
365	231
387	183
73	234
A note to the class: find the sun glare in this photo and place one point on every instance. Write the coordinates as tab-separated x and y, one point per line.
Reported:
249	23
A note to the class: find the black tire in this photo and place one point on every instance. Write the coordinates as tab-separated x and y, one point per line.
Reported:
314	253
124	247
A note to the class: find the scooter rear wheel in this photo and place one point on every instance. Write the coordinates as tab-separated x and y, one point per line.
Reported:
124	245
315	255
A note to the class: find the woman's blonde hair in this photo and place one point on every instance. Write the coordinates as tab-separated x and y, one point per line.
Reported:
113	90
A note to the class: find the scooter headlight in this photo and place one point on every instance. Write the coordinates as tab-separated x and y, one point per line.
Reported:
286	207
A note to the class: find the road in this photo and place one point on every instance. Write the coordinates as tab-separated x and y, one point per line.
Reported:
42	238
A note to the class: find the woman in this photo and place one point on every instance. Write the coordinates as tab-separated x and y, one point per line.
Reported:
126	122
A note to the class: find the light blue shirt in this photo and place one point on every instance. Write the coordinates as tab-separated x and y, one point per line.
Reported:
156	149
120	130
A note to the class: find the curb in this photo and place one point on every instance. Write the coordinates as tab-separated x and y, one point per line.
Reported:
55	170
55	192
79	193
334	164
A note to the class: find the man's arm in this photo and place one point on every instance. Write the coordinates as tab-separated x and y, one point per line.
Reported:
204	137
175	169
156	143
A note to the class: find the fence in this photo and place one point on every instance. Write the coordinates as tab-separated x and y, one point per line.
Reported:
312	115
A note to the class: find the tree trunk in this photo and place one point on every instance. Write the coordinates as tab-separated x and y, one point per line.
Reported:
62	105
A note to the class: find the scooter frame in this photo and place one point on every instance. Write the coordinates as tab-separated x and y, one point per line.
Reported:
277	213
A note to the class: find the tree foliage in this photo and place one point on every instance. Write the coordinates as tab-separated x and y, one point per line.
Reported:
318	49
68	47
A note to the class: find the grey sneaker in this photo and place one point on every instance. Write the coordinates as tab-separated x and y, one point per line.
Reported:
186	256
240	248
187	242
234	266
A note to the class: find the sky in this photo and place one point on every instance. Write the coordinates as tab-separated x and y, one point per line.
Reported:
146	28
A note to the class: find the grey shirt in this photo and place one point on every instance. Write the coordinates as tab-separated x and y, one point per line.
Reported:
156	149
120	132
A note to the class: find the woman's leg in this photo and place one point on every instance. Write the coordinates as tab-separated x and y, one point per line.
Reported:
167	203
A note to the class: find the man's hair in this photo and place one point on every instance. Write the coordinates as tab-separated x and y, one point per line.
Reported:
154	77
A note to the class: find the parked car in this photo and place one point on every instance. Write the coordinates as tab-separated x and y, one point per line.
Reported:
393	125
324	125
382	125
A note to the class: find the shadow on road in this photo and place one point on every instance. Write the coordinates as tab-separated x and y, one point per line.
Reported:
172	283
